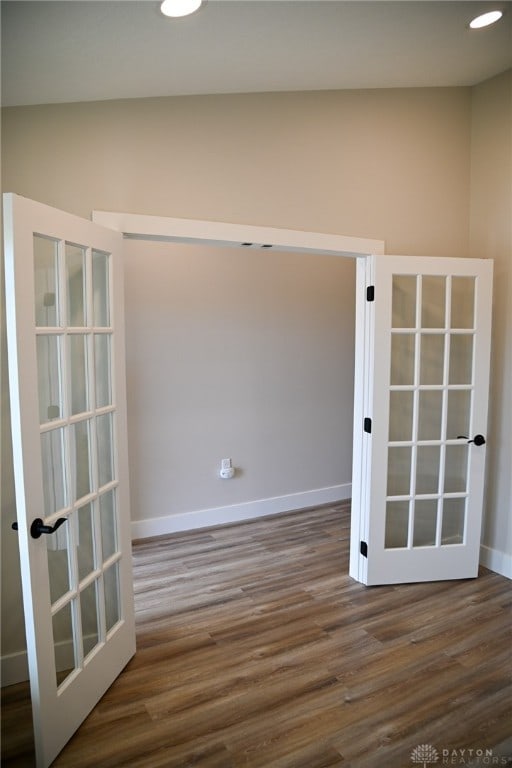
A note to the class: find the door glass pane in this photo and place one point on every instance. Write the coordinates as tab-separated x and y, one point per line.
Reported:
85	549
427	469
432	359
402	358
463	302
397	524
46	284
433	301
81	462
53	470
100	287
461	358
108	524
111	584
425	522
456	468
459	408
102	366
429	415
89	615
399	471
49	378
404	301
105	449
63	643
75	277
57	546
454	511
78	373
400	415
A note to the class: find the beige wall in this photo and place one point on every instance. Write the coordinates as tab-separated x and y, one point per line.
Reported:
393	165
491	236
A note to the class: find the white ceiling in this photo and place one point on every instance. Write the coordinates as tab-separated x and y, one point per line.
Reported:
75	50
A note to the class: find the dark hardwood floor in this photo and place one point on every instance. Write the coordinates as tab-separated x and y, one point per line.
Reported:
255	648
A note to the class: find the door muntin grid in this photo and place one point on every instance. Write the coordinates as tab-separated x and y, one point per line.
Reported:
74	343
430	401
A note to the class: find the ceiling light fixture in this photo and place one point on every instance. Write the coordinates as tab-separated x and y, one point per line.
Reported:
176	9
485	19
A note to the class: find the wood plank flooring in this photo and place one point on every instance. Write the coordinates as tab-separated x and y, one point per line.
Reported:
255	648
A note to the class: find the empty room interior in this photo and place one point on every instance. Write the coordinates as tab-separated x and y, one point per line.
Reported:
385	121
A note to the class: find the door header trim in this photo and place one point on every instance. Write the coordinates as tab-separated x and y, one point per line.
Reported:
195	231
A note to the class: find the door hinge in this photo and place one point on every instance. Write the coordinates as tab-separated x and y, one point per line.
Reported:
364	549
370	293
367	425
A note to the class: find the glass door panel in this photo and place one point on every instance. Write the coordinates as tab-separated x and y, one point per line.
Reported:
89	618
64	643
111	586
433	301
461	359
78	371
102	365
454	516
424	394
85	541
100	288
54	472
81	459
75	285
463	302
432	358
46	282
66	273
104	431
430	412
57	548
427	469
397	524
49	377
401	413
402	358
109	545
425	523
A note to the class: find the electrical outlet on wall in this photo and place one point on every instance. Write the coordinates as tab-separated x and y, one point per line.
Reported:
226	469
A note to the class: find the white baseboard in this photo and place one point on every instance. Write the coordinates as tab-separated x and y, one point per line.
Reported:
14	668
496	561
204	518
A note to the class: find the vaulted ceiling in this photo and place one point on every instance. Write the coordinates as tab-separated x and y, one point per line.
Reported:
75	50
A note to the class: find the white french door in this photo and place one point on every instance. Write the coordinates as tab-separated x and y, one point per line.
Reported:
421	396
64	301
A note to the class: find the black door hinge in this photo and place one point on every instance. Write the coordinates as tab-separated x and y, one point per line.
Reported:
367	425
370	293
364	549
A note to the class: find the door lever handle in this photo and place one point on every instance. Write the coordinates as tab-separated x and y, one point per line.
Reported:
477	440
38	527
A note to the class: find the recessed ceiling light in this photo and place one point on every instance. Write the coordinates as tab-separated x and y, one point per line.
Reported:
178	8
485	19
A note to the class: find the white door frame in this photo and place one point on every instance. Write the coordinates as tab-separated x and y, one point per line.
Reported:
165	229
195	231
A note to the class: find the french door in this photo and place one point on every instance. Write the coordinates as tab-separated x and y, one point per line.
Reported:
64	301
421	393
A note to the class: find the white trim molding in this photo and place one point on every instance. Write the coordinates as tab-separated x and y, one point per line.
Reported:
495	560
136	226
234	513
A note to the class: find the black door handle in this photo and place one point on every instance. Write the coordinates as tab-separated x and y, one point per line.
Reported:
477	440
38	527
